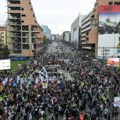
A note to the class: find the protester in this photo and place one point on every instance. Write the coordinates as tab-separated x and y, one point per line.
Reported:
26	95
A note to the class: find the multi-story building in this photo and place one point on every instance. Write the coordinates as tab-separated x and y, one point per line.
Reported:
3	35
24	34
46	31
66	36
53	37
91	39
58	37
75	31
85	28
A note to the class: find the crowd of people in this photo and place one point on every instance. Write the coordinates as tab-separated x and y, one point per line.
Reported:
87	97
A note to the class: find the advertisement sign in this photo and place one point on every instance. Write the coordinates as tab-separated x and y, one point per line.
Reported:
113	62
109	31
5	64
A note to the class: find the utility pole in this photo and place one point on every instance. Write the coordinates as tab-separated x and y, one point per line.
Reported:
103	53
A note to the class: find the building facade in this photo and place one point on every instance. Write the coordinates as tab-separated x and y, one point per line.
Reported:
3	35
46	31
66	36
90	40
53	37
75	33
85	28
58	37
24	34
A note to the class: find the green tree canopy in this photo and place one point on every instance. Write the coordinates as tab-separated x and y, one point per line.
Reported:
4	51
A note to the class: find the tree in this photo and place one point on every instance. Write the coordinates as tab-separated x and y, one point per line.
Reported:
6	52
46	41
1	47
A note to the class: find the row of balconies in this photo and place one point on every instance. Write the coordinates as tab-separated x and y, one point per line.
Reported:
25	36
16	28
13	2
18	23
86	19
85	25
17	46
14	16
86	29
24	28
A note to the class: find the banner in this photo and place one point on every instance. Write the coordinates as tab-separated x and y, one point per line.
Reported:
113	62
109	31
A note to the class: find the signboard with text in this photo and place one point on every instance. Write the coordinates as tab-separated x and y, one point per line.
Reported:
5	64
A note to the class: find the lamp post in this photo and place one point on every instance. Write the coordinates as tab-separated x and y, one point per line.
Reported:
103	53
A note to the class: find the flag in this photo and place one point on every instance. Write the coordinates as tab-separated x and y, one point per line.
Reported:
44	84
10	80
29	83
44	81
5	81
14	84
44	72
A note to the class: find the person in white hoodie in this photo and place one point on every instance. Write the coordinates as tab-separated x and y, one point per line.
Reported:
30	117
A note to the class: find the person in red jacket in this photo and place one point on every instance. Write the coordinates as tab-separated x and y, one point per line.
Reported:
81	116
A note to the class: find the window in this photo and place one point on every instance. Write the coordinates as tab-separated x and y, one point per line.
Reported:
25	34
25	28
2	32
116	3
25	40
33	40
110	3
23	15
22	21
25	46
22	8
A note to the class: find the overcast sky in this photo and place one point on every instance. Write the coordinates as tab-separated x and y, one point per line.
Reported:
57	14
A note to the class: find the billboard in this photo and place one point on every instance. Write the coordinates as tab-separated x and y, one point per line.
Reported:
113	62
109	31
5	64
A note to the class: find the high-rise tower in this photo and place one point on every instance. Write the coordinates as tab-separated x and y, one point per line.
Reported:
24	34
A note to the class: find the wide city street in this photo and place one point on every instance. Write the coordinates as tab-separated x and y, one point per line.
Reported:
60	84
